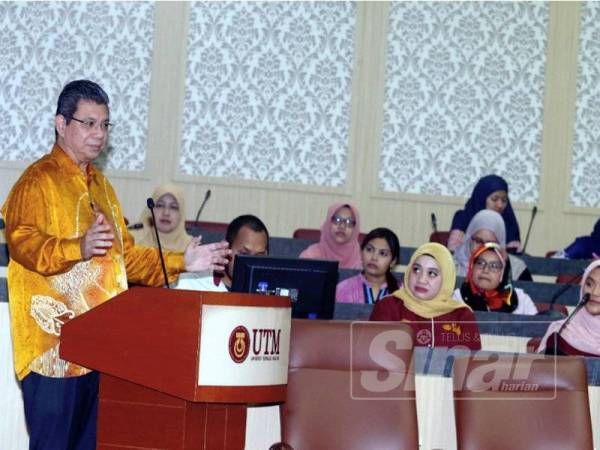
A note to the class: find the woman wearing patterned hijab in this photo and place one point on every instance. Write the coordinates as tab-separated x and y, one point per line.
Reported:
490	192
488	285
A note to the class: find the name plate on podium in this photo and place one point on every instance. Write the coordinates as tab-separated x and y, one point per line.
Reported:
244	346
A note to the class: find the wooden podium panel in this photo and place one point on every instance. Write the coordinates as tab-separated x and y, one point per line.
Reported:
132	416
172	375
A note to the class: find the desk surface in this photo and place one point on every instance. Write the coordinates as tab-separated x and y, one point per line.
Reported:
500	324
290	247
440	361
3	254
537	265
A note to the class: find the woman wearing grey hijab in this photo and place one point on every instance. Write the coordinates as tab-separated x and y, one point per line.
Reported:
487	226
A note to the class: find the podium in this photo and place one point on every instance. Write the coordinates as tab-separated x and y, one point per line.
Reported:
178	367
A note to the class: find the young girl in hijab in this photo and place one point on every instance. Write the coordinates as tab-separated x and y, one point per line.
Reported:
490	192
379	252
581	336
487	226
425	300
488	285
169	209
339	237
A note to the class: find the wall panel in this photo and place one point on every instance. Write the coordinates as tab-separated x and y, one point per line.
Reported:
299	199
47	44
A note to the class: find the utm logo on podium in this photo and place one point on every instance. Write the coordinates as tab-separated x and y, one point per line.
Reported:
239	344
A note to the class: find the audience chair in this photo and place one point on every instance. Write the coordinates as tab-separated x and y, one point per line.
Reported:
541	307
568	278
441	237
313	234
533	344
3	252
216	227
330	405
307	233
543	406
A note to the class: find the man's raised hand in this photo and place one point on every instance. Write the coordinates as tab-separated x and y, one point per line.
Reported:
98	239
199	258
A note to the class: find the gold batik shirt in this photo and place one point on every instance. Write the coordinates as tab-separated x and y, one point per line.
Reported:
47	212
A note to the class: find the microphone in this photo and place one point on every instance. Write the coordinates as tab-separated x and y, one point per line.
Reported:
550	311
206	197
434	223
533	213
581	304
150	204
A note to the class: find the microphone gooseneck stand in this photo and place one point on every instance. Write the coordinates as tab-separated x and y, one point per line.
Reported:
150	203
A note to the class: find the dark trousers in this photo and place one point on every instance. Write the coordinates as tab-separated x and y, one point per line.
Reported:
61	412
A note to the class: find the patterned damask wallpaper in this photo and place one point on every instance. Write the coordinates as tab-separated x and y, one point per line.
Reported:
268	90
43	45
585	168
464	96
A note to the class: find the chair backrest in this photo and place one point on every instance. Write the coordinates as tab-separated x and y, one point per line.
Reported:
217	227
314	234
441	237
331	401
568	278
3	264
307	233
533	344
555	307
522	401
3	253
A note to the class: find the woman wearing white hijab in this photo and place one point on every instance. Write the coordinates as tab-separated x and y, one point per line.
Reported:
487	226
581	336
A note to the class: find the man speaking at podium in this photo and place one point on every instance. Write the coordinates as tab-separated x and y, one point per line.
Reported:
70	251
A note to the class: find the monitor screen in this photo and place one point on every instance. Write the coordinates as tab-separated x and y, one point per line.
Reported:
310	283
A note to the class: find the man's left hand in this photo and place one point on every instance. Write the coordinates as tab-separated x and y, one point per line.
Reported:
199	258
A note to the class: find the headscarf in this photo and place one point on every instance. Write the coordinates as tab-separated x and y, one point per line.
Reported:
175	241
583	331
503	298
485	219
443	302
584	246
347	254
482	190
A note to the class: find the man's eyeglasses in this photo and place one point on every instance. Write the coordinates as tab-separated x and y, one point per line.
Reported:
90	124
346	221
494	266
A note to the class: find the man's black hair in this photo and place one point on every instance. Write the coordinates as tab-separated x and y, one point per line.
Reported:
78	90
246	220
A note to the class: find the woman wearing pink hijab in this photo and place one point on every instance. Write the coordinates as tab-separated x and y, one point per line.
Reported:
339	237
581	336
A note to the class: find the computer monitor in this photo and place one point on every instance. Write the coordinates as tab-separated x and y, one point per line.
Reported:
310	283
